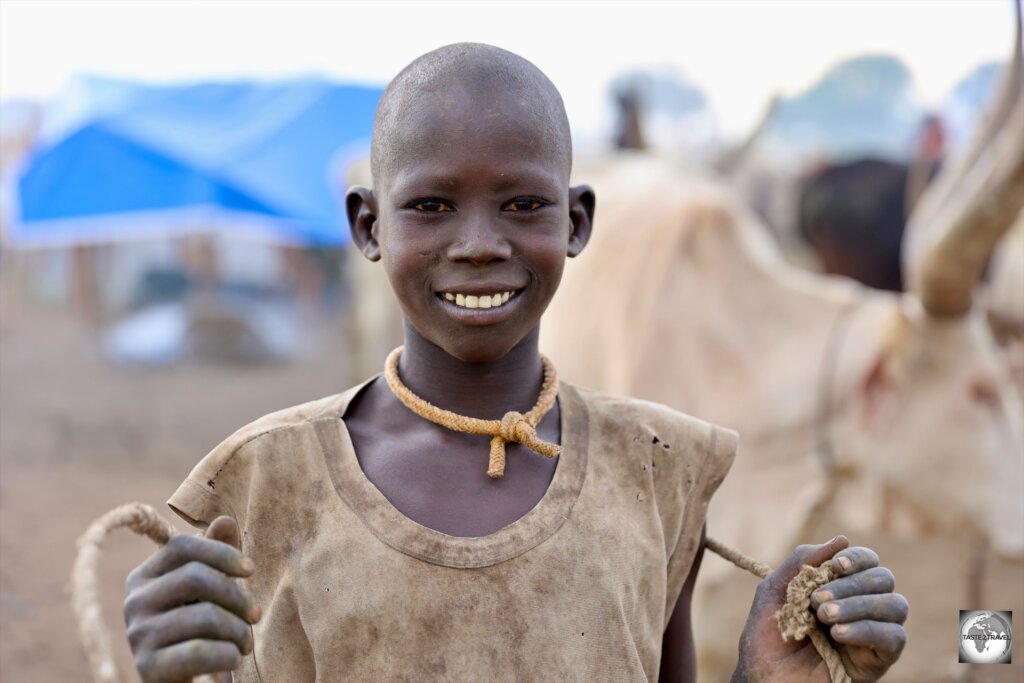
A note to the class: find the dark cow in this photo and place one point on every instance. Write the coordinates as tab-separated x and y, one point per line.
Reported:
852	215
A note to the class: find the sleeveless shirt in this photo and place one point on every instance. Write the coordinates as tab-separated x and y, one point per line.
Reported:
580	588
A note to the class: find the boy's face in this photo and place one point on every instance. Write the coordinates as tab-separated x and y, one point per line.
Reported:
473	218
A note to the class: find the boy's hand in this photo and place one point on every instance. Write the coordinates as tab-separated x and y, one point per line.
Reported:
866	618
186	616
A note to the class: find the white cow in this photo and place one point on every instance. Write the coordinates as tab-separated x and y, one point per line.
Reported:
1004	300
682	298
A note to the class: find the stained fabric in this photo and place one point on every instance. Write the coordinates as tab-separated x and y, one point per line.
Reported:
579	588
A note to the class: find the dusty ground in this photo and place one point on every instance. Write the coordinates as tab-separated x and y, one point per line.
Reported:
79	436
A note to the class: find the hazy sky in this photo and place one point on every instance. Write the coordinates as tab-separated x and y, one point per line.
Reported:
738	51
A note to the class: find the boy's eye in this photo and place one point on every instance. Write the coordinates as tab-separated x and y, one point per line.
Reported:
432	205
523	204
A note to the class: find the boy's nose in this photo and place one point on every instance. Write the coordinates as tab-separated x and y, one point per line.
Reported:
480	243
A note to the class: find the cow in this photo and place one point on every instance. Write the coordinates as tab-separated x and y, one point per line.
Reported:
684	299
1003	298
1004	295
840	393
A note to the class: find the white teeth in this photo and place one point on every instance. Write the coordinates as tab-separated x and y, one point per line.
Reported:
477	301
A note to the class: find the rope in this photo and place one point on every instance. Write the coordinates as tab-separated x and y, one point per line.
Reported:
758	569
85	590
513	426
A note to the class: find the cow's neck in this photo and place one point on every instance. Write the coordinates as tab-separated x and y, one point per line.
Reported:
762	334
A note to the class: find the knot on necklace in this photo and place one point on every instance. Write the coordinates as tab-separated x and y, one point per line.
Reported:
518	428
513	426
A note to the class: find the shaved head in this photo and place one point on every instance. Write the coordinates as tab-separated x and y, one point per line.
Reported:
486	74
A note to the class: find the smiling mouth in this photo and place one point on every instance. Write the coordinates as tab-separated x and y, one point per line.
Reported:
496	300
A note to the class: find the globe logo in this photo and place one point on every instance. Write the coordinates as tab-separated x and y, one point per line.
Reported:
985	637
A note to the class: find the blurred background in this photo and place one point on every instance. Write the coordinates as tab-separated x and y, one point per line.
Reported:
174	258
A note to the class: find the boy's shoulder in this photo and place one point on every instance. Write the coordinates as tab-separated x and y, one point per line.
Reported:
617	418
291	418
278	443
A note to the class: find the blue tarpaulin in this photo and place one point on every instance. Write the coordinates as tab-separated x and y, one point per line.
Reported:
266	158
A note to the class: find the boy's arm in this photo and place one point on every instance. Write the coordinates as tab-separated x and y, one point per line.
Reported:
678	657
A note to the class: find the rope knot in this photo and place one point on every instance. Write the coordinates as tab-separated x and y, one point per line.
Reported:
515	427
519	428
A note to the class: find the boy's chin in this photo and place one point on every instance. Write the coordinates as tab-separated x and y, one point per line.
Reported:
479	348
479	353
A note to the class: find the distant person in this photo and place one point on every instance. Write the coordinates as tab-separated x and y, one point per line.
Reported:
929	152
628	127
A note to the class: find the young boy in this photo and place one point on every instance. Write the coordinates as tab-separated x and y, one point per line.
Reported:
376	545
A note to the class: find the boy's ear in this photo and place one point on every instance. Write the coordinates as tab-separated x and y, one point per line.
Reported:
361	208
582	201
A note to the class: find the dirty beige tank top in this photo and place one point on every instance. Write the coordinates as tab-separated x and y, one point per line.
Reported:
580	588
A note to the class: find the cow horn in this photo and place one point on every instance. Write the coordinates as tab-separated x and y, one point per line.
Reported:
974	201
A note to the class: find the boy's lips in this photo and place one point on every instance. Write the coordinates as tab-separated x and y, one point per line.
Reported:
480	309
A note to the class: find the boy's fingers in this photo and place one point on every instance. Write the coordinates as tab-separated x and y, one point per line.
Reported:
185	548
225	530
203	620
182	661
193	582
776	583
869	582
886	639
813	555
891	607
853	560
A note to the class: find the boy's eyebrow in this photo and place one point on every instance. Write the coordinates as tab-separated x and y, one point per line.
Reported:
505	181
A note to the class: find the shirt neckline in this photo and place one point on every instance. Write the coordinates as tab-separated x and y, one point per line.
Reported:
403	534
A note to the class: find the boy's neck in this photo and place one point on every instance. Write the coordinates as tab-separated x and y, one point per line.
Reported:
482	390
